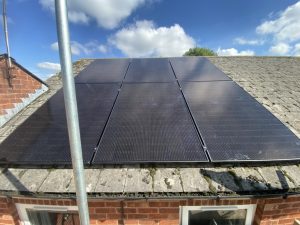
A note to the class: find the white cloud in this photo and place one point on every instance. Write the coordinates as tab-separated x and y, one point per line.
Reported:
49	66
243	41
297	49
87	48
286	28
107	13
144	39
234	52
102	48
280	49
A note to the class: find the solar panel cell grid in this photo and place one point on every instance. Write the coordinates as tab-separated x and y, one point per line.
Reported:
43	138
150	123
235	126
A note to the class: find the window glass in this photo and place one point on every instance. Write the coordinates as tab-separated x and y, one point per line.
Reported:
52	218
218	217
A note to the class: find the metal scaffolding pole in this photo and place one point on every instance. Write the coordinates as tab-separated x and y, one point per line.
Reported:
6	31
71	108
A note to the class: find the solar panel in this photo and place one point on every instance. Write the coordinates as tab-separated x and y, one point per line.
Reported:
150	70
43	139
196	69
235	126
103	71
150	123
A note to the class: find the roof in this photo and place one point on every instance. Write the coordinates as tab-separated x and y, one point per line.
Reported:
273	81
23	68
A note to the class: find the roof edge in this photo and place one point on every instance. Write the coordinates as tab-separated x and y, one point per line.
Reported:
23	68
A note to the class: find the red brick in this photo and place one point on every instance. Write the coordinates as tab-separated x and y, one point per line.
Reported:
113	204
158	216
147	210
290	211
3	200
4	211
137	216
137	204
92	210
148	222
108	222
98	216
296	204
284	206
169	210
114	216
131	222
68	203
159	204
47	202
127	210
168	222
174	204
293	199
3	206
105	210
268	201
60	202
96	204
273	212
34	201
284	221
6	222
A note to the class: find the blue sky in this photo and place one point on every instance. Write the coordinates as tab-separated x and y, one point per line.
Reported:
152	28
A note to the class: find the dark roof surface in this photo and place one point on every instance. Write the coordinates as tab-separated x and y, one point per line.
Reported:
157	111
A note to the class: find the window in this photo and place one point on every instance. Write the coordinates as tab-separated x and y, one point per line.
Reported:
217	215
48	215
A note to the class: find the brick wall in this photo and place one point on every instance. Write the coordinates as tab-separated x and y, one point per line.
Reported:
17	93
158	212
280	211
8	212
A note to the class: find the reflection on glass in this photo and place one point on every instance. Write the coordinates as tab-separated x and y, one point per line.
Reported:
218	217
53	218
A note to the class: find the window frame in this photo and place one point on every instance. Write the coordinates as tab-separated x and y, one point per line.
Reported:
184	211
21	208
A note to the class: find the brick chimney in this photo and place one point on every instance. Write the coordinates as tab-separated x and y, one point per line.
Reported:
18	88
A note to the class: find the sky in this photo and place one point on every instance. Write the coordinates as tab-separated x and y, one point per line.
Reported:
151	28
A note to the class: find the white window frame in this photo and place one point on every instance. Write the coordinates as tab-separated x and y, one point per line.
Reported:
21	208
249	216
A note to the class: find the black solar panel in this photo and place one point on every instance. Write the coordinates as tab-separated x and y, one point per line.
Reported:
150	123
196	69
150	120
103	71
150	70
235	126
43	139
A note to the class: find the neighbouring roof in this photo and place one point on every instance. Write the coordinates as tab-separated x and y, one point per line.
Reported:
273	81
4	56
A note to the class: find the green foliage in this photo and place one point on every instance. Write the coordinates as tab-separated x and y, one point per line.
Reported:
200	52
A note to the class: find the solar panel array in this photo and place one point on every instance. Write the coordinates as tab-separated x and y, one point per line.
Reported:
153	111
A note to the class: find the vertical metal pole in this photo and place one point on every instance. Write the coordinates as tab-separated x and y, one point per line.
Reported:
71	108
5	31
